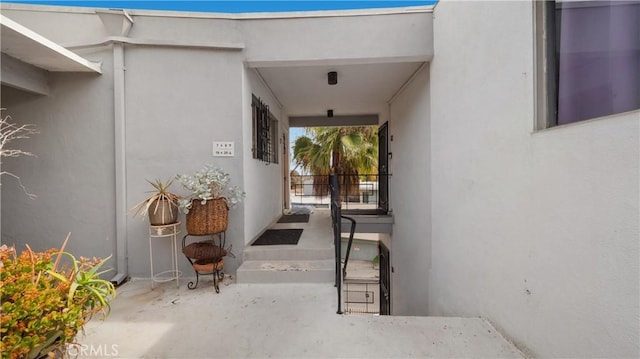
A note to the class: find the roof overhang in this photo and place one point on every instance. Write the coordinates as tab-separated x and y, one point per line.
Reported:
32	48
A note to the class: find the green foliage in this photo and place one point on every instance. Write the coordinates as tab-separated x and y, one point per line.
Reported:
44	306
349	151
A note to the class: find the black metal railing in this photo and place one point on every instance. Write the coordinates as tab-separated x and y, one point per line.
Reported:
356	191
336	221
337	237
385	279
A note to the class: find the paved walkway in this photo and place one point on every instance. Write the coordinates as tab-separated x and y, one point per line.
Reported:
274	321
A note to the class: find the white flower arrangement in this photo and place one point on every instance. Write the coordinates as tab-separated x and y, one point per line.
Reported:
207	184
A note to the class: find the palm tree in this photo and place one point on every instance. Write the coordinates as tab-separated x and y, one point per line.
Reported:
349	151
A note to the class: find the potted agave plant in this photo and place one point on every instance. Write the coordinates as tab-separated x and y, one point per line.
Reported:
207	207
161	205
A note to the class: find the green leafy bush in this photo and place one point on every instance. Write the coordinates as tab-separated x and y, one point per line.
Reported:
44	304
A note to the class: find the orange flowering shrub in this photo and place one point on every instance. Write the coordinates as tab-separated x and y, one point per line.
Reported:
43	307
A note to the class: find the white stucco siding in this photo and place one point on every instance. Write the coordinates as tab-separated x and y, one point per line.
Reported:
58	26
263	181
178	102
185	29
348	38
72	171
410	195
536	231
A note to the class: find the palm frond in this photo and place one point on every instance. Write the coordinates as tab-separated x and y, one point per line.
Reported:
344	150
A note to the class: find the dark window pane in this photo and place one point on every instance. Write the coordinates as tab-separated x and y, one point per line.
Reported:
598	52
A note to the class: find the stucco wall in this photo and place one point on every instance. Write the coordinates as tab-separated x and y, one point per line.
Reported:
58	26
409	188
185	29
174	113
262	180
72	173
178	100
536	231
347	38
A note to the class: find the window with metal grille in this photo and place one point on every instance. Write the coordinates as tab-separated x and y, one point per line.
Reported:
265	132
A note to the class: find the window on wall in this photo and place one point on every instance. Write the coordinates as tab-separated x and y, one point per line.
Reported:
588	58
265	132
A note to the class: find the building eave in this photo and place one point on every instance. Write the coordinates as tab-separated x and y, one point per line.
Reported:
229	16
32	48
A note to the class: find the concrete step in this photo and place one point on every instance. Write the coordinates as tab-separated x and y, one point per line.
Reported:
359	271
284	252
286	271
369	223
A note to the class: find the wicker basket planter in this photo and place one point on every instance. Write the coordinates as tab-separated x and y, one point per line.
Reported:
210	218
208	267
206	258
204	251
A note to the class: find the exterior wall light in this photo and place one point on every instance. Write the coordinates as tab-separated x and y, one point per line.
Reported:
332	78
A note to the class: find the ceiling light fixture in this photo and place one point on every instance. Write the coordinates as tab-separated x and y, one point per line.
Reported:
332	78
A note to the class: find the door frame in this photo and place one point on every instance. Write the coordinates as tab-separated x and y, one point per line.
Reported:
286	195
383	168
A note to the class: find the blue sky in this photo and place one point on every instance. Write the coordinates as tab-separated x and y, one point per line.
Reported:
294	133
232	6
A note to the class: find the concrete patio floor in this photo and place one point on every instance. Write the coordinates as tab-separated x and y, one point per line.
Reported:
288	320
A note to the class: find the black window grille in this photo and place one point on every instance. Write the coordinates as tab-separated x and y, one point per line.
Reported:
265	132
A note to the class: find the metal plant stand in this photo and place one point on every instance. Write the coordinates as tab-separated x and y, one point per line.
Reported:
169	231
206	257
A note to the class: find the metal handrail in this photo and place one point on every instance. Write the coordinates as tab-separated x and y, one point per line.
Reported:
335	222
336	217
351	233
